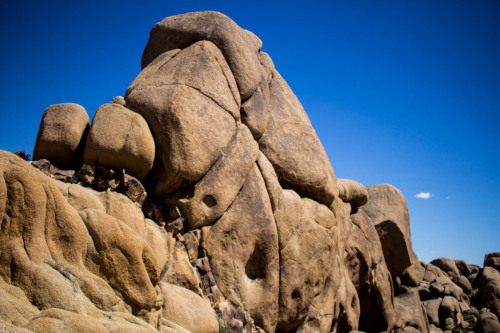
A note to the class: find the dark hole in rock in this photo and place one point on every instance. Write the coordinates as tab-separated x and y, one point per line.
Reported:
255	267
295	294
209	200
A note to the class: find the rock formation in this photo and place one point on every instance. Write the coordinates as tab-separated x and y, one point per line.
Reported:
204	201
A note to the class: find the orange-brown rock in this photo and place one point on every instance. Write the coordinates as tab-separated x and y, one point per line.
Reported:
62	134
192	94
120	138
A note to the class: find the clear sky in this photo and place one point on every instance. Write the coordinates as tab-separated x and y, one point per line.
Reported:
399	92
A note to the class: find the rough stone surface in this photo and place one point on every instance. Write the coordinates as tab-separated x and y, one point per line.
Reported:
489	290
492	260
244	226
189	94
120	138
80	260
352	192
411	312
488	323
213	194
447	265
291	145
388	211
62	134
237	45
243	251
370	276
188	309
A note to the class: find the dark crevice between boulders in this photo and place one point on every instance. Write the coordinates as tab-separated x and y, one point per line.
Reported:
98	178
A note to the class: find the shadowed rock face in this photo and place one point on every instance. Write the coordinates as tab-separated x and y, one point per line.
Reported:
244	213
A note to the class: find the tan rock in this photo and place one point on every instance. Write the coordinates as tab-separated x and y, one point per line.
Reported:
447	265
255	111
321	312
489	290
188	309
443	286
57	320
450	313
293	148
239	48
243	250
120	138
348	315
307	243
488	323
179	271
432	309
432	272
116	246
33	243
160	242
185	102
492	260
411	312
370	276
214	193
388	211
15	307
54	261
352	192
62	134
463	267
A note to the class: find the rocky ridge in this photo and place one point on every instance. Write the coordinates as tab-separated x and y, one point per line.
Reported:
203	201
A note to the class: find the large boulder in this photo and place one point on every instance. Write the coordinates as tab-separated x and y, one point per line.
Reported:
62	134
492	260
370	276
213	194
411	312
243	250
488	323
388	211
77	259
292	146
447	265
489	290
191	93
188	309
239	47
120	138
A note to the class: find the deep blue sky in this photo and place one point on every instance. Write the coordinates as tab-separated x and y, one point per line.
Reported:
399	92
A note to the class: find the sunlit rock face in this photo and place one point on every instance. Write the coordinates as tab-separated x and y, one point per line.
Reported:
235	219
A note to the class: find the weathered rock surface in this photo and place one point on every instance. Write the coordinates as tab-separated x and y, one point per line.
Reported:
411	312
239	47
188	310
388	211
370	276
244	226
243	250
302	166
62	135
177	93
120	138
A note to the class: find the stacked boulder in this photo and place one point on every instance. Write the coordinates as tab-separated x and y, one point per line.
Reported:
202	201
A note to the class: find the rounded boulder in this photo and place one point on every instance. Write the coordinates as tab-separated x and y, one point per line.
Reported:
120	138
62	134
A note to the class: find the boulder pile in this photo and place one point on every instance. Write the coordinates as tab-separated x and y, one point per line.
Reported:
203	201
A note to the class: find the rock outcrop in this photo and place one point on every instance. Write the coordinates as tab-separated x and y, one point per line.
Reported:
203	201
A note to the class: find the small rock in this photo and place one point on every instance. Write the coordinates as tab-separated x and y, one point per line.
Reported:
134	190
176	226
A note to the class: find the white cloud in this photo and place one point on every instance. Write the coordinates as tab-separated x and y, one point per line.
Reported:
423	195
